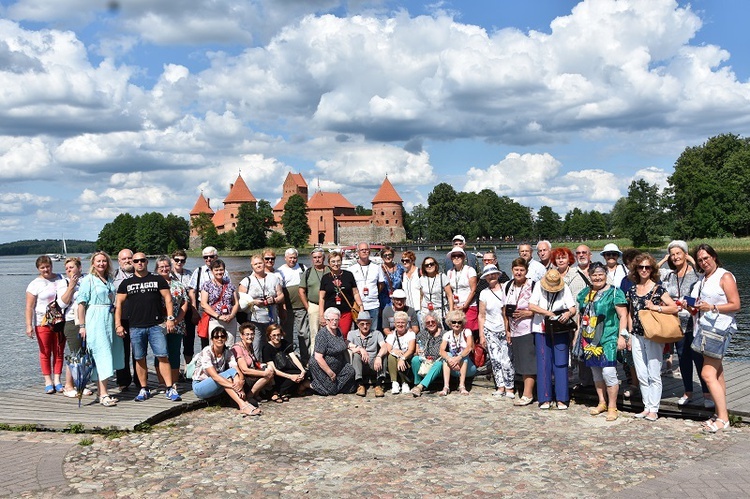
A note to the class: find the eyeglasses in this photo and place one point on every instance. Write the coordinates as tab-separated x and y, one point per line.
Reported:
405	260
610	255
388	255
456	256
163	267
220	337
208	257
644	267
179	260
457	323
430	323
704	259
430	264
582	252
332	318
249	333
140	260
269	258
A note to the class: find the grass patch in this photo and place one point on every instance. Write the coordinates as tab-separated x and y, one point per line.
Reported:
18	427
75	428
143	428
86	441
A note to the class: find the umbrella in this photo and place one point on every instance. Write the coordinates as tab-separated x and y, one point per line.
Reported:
81	365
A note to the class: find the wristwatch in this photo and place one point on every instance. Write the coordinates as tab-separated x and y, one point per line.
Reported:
625	334
170	317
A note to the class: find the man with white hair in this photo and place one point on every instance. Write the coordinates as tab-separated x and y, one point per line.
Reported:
536	270
544	251
370	280
309	290
296	317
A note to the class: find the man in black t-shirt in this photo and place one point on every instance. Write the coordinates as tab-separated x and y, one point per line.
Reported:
147	297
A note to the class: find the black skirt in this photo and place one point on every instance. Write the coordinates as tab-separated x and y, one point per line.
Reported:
524	354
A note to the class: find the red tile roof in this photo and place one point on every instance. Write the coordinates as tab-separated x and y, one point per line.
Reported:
298	179
328	200
387	194
239	193
201	206
218	218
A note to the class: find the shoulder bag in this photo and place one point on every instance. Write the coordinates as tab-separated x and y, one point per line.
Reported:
660	327
202	328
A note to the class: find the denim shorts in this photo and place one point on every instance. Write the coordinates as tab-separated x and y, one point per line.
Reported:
141	337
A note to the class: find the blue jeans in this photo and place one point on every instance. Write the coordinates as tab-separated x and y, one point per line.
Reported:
142	337
688	357
208	388
552	354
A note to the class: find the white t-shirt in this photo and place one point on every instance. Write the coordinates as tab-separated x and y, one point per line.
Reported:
432	291
494	302
70	308
456	345
259	289
403	341
411	286
368	277
459	282
549	301
45	292
536	270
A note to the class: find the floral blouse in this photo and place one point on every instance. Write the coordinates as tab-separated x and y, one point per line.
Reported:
638	303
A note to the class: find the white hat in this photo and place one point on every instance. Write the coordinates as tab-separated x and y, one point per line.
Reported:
456	250
399	294
610	248
459	237
489	270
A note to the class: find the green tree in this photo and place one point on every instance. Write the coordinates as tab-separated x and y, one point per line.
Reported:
417	227
178	231
618	218
266	214
206	230
548	224
251	230
151	236
117	234
514	219
361	210
643	213
443	212
597	224
575	224
294	219
229	240
276	240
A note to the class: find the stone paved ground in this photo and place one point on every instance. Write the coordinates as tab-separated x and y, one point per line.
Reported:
346	446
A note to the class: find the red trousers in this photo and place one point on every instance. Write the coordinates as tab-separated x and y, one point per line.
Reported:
51	344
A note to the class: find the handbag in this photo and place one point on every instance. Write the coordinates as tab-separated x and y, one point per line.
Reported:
192	365
479	355
53	315
711	342
425	367
554	326
202	328
659	327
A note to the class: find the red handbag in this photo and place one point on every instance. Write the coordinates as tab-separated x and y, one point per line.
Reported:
202	328
479	355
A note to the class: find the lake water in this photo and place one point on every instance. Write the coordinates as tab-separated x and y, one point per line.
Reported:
19	361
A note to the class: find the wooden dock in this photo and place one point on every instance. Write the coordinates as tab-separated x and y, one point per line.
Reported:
57	412
36	409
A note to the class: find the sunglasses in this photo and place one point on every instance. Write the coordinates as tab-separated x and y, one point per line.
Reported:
270	258
140	260
582	252
644	267
610	255
456	322
430	323
430	264
209	257
388	255
179	260
220	337
456	256
405	260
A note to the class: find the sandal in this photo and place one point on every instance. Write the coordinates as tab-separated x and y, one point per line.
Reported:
108	401
277	399
417	391
49	389
462	390
249	410
285	398
683	400
524	400
595	411
714	425
59	387
444	392
71	393
562	406
612	415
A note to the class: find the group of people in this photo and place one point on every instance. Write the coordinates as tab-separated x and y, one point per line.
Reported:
289	329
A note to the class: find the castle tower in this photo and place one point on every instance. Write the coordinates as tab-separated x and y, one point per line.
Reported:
202	205
387	207
239	193
293	184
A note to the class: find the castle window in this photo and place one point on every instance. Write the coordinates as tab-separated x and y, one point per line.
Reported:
382	213
321	218
387	222
394	213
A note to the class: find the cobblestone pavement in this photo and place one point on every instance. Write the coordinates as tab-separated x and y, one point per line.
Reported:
32	461
346	446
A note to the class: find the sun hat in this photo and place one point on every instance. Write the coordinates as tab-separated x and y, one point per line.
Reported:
459	237
456	250
610	248
364	316
489	270
399	294
552	281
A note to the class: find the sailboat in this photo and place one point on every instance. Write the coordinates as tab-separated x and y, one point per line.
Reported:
57	257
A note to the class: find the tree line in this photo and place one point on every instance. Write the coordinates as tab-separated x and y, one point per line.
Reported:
37	246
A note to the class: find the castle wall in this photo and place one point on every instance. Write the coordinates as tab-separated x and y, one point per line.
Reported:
371	233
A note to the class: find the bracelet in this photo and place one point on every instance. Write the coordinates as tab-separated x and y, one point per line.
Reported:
81	326
716	309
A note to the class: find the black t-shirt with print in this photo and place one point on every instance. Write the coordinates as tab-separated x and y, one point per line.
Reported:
145	305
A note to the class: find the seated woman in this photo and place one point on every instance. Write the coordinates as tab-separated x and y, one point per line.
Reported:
428	350
401	344
255	378
455	350
288	370
216	371
330	368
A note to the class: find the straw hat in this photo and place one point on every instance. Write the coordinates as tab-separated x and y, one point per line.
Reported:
552	281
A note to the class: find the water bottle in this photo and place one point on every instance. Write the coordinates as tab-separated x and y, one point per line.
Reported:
420	348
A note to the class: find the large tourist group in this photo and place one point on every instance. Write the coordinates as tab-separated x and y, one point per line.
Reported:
402	326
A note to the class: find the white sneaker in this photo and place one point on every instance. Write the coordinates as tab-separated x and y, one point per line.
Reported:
510	395
395	389
405	387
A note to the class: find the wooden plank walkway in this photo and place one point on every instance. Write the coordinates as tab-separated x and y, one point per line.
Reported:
57	412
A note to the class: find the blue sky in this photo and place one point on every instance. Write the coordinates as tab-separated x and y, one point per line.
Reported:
551	102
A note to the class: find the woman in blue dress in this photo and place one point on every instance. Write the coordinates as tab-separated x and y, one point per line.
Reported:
97	327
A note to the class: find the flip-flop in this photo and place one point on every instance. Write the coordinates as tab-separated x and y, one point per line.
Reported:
49	389
285	398
59	387
249	410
